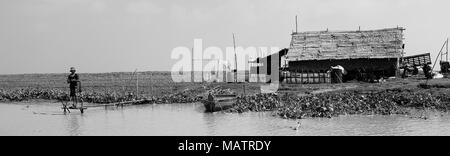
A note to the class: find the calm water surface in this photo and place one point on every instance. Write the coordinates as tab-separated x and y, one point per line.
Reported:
189	119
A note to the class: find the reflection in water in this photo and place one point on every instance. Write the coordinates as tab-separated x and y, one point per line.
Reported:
73	127
210	123
190	119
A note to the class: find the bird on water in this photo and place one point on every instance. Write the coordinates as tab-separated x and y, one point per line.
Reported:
298	126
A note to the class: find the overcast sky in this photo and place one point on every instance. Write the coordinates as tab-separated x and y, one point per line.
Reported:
49	36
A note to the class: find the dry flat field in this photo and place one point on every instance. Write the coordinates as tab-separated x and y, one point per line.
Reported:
149	84
160	83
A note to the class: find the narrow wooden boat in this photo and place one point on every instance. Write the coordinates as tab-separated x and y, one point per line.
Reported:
219	103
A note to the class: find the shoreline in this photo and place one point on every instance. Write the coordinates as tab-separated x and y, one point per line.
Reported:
327	104
291	100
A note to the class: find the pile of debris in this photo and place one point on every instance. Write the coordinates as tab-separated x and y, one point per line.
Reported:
257	102
221	91
387	102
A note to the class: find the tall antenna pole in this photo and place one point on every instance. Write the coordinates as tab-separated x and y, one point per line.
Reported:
192	66
201	61
235	59
296	24
137	85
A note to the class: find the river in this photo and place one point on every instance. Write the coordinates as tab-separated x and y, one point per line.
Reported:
42	118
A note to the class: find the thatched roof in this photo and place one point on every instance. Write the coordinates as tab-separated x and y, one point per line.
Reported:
324	45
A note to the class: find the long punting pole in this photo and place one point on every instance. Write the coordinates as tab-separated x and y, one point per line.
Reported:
447	51
437	57
192	66
235	59
440	53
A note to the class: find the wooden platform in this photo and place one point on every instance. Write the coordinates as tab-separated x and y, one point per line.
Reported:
66	107
117	103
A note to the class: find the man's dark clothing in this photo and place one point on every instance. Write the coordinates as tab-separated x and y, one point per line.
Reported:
72	79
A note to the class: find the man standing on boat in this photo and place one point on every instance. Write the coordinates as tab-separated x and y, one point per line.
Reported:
73	80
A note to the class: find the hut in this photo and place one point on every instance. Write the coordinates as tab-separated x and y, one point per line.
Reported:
371	51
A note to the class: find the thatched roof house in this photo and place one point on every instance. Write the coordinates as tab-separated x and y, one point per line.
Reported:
326	45
377	51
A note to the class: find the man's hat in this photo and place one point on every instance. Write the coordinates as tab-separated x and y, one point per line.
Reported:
72	68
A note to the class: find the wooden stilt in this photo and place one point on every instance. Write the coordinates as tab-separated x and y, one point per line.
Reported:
301	76
307	76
